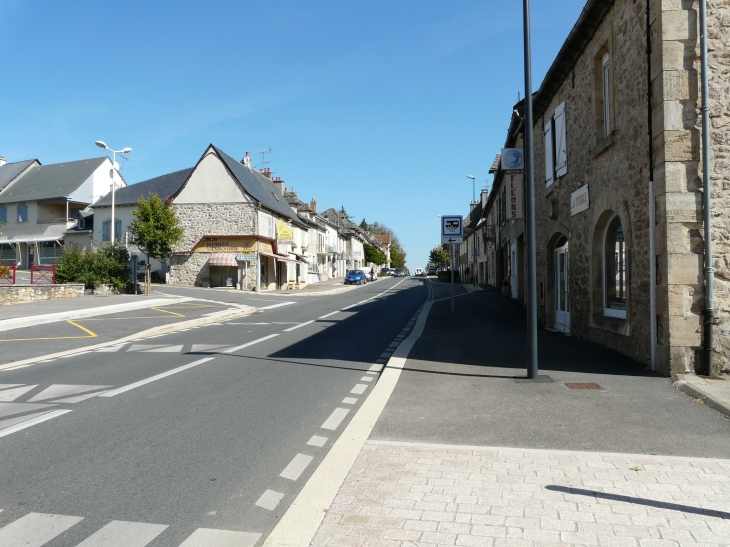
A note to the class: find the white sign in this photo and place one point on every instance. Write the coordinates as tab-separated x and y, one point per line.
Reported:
247	257
513	159
579	200
452	229
514	189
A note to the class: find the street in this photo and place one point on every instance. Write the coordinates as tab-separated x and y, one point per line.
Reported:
201	437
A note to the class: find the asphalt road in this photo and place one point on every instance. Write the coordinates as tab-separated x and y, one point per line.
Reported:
198	438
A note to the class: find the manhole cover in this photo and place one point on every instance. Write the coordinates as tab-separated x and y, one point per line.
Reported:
582	385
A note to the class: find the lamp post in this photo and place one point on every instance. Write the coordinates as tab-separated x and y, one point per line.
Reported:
102	144
473	227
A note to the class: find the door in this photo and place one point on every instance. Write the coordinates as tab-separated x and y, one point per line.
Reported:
513	274
562	289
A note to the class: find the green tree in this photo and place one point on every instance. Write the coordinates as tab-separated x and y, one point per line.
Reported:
364	225
105	265
343	212
156	230
397	253
374	255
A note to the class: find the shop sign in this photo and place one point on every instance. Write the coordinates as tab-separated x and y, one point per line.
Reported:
579	200
226	244
512	159
284	234
514	187
247	257
265	247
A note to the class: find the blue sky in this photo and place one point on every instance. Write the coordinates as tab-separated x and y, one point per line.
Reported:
381	106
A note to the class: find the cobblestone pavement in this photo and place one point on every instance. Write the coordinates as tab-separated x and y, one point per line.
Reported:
420	495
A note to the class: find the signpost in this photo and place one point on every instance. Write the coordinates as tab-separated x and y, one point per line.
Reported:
452	231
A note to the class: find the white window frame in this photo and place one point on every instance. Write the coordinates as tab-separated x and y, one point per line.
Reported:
549	154
20	220
606	81
609	312
561	147
4	215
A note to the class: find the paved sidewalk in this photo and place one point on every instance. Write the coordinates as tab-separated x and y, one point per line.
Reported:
416	495
714	392
57	305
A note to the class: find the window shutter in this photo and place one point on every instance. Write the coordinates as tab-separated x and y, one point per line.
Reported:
105	230
561	149
117	228
549	153
4	215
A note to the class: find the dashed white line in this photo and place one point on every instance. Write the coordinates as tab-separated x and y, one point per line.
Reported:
129	534
129	387
335	419
349	400
359	389
316	440
330	314
32	422
236	348
297	466
299	326
269	500
277	305
366	379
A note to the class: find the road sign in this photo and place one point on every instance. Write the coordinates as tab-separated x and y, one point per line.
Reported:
452	229
247	257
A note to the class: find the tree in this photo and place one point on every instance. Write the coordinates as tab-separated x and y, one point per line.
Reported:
374	255
106	265
343	212
397	254
156	230
364	225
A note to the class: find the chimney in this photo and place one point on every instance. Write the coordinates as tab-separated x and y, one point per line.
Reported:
2	161
266	172
484	196
313	205
246	161
278	182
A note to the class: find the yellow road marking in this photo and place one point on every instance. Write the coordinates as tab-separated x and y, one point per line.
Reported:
90	335
170	312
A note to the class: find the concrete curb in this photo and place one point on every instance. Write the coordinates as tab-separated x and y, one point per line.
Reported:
33	320
224	315
708	398
300	522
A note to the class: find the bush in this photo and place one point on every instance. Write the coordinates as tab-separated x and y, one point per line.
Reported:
446	276
93	267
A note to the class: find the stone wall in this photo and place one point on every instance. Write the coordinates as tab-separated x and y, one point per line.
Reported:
15	294
201	219
193	269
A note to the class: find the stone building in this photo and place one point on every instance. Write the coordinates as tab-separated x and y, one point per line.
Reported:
618	108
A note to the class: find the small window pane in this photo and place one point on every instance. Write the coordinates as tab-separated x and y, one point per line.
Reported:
4	215
105	230
615	257
22	213
606	64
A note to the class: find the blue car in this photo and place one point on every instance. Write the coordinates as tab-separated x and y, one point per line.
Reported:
355	277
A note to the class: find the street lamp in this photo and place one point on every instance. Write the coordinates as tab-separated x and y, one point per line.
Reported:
102	144
473	227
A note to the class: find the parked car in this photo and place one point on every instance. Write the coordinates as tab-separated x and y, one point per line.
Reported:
399	272
355	277
419	272
432	270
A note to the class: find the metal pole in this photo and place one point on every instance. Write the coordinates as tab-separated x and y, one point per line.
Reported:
530	205
707	194
474	230
114	187
451	248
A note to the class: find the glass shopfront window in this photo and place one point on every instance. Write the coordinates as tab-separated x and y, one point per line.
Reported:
616	290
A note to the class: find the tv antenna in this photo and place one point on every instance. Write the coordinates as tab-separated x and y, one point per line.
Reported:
263	153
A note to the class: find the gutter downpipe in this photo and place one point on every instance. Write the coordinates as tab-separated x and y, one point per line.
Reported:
257	288
706	195
652	200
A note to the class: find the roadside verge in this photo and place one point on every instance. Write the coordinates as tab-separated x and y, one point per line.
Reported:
715	393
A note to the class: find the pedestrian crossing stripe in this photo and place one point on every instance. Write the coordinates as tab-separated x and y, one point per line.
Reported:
37	529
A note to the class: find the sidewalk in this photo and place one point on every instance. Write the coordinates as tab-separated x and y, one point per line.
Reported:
468	452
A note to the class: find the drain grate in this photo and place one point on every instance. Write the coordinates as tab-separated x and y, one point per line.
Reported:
582	385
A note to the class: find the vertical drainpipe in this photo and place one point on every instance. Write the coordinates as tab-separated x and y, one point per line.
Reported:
652	199
257	288
706	195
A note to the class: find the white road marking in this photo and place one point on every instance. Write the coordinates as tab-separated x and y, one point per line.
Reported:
110	349
12	394
277	305
269	500
202	348
151	379
299	326
330	314
63	390
207	537
236	348
8	386
335	419
316	440
370	372
8	409
30	423
35	529
359	389
13	421
78	398
144	347
249	323
129	534
166	349
19	366
366	379
297	466
349	400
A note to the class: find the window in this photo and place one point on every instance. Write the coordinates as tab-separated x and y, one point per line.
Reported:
606	88
615	282
106	226
556	149
22	213
4	215
105	230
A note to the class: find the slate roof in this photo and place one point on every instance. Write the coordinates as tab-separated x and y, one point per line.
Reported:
9	171
55	181
258	186
164	186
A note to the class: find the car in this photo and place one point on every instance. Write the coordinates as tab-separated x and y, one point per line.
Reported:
431	270
419	272
399	272
355	277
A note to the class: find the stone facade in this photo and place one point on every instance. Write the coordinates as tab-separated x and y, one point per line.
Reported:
15	294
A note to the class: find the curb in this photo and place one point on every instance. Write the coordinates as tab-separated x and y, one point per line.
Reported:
163	329
33	320
707	398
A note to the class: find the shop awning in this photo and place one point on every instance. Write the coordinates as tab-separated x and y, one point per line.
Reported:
300	258
281	258
222	259
30	240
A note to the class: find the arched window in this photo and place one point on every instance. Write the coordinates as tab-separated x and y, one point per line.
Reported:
615	277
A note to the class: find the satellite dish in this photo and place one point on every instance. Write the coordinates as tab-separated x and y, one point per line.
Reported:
116	165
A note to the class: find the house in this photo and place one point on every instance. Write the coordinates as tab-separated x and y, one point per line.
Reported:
383	241
39	204
239	231
352	239
619	186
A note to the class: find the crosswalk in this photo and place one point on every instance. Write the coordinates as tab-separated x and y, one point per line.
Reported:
38	529
165	348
